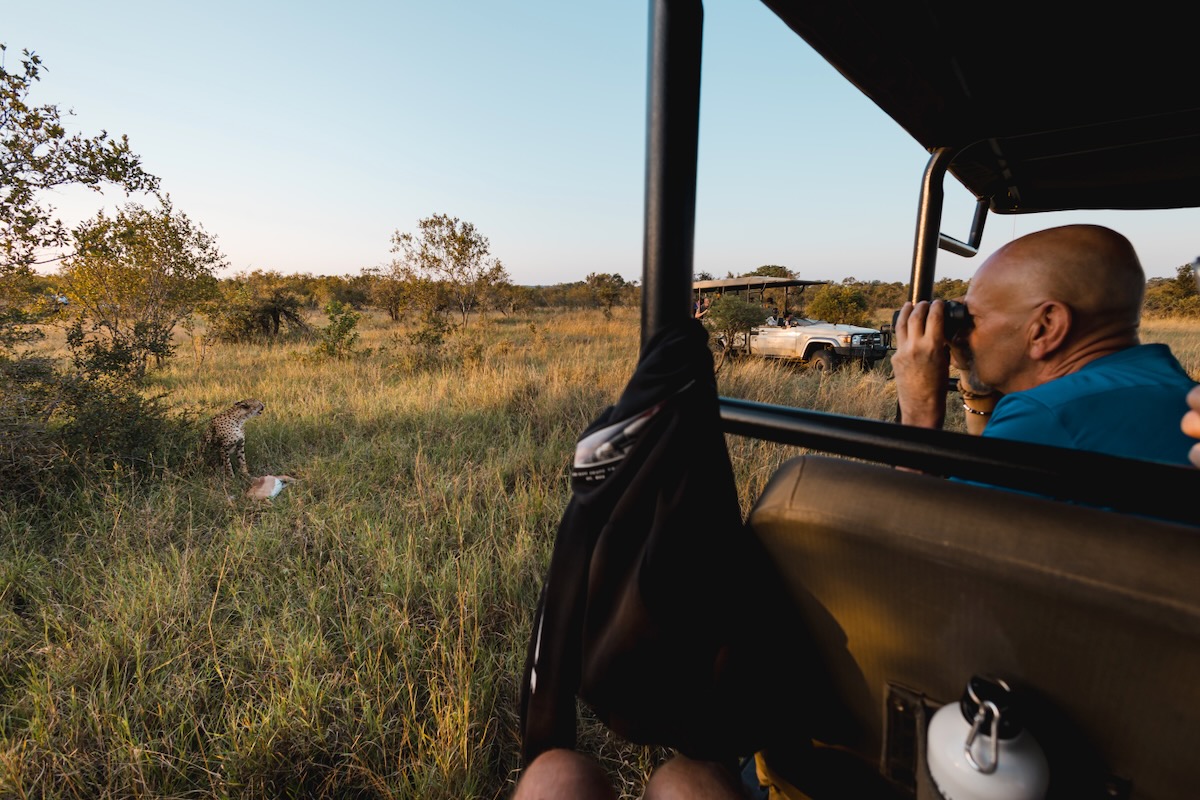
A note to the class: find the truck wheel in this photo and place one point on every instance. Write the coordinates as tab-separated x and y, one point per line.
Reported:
822	361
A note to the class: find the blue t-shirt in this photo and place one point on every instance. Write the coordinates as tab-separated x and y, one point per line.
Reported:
1125	404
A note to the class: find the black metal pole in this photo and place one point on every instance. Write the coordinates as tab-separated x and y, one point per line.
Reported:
929	223
672	132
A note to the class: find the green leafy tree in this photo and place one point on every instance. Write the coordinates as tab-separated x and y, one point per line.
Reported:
838	304
607	288
23	305
452	254
354	291
36	155
506	298
59	428
317	291
395	289
950	288
883	298
134	277
384	292
729	319
772	271
1173	297
431	298
569	295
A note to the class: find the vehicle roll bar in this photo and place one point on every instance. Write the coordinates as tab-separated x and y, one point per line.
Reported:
929	238
1165	491
672	133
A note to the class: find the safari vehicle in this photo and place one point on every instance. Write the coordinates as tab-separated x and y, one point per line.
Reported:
822	346
1075	575
819	345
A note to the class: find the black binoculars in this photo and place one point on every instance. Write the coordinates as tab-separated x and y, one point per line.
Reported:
956	318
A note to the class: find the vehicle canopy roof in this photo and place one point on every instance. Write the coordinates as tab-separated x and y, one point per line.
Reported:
753	282
1072	106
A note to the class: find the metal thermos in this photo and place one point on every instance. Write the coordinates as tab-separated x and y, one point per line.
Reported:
978	748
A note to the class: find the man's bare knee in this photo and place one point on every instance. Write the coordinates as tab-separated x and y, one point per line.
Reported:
559	774
683	778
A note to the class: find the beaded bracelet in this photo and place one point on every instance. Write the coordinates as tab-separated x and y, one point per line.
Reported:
976	410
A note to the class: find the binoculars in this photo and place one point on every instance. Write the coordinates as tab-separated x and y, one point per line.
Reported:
956	318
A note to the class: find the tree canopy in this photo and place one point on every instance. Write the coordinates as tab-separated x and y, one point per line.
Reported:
59	423
838	304
448	254
37	154
607	288
1176	296
137	274
772	271
730	318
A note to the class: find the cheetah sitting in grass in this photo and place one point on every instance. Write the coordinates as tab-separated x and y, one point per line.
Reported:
226	437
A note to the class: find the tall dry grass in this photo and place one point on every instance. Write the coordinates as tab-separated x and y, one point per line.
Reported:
362	635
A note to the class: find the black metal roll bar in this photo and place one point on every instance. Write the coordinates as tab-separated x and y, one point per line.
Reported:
1163	491
672	133
929	238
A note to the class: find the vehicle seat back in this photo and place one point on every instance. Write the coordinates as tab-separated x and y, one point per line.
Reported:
916	583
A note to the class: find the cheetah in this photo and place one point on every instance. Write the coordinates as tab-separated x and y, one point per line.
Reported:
226	437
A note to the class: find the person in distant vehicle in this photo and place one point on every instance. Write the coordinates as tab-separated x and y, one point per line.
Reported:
1190	424
1051	353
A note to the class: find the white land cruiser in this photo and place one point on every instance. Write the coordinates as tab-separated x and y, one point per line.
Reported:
819	345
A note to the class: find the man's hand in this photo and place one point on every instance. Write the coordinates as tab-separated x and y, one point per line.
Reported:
921	364
1191	423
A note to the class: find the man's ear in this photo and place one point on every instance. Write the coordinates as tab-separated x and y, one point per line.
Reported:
1049	329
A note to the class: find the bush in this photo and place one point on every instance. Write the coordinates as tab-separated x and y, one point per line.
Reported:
245	315
27	451
127	355
422	350
339	337
729	317
59	430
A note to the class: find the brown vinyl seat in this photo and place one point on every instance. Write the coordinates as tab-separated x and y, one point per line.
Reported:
912	584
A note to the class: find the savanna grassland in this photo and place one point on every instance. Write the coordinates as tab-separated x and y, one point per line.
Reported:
362	635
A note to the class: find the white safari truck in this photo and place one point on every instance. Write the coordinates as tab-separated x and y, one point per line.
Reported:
819	345
822	346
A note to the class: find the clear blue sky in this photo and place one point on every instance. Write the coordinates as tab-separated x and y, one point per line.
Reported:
303	134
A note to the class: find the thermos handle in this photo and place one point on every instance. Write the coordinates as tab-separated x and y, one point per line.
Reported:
976	724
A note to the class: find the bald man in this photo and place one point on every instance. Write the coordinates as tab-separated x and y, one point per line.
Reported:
1052	353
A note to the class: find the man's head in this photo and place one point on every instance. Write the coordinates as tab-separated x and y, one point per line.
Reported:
1047	303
